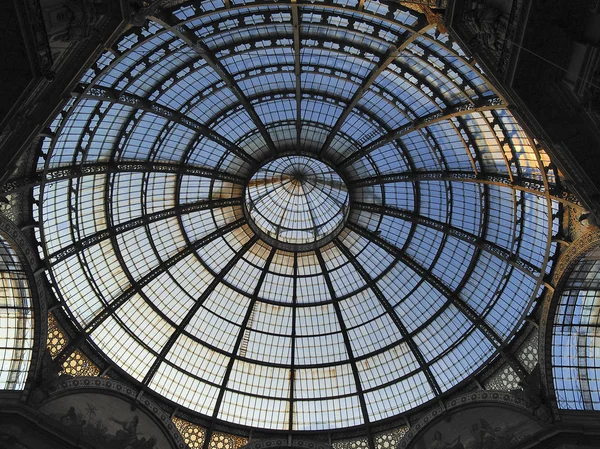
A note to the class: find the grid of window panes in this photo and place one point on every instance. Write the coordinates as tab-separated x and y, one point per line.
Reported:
297	199
16	321
576	338
144	230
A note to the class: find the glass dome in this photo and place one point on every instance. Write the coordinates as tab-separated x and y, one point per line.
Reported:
293	215
296	202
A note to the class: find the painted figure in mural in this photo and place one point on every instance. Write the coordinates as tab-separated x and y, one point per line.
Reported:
69	418
438	443
128	435
484	435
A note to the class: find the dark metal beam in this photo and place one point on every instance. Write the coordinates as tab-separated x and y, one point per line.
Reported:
475	240
347	343
297	69
170	22
134	101
478	321
125	226
158	270
78	171
393	315
293	348
368	81
242	334
192	311
481	105
521	184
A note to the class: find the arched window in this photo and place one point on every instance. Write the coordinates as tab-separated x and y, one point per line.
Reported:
576	337
16	320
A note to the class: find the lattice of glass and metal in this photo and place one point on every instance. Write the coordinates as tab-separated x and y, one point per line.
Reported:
16	320
576	338
431	250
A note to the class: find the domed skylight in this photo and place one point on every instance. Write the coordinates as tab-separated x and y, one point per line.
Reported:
296	200
295	216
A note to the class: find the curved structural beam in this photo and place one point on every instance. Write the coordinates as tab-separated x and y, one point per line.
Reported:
79	171
195	43
144	220
522	184
116	96
197	304
145	280
475	240
393	315
485	104
381	66
347	344
467	311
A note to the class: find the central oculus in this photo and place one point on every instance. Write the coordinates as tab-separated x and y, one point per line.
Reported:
296	202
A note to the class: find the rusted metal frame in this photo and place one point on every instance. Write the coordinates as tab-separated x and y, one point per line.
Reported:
192	311
293	346
380	67
297	70
393	315
348	345
477	241
136	102
422	122
197	45
243	329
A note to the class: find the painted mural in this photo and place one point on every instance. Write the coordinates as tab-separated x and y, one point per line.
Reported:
106	422
478	428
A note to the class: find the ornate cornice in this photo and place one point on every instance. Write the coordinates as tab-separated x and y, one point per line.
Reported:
277	443
477	398
110	386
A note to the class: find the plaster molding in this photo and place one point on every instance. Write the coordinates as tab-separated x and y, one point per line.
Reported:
116	388
485	397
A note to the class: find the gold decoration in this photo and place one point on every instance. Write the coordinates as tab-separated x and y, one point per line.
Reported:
77	364
224	441
192	434
391	438
56	337
434	18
